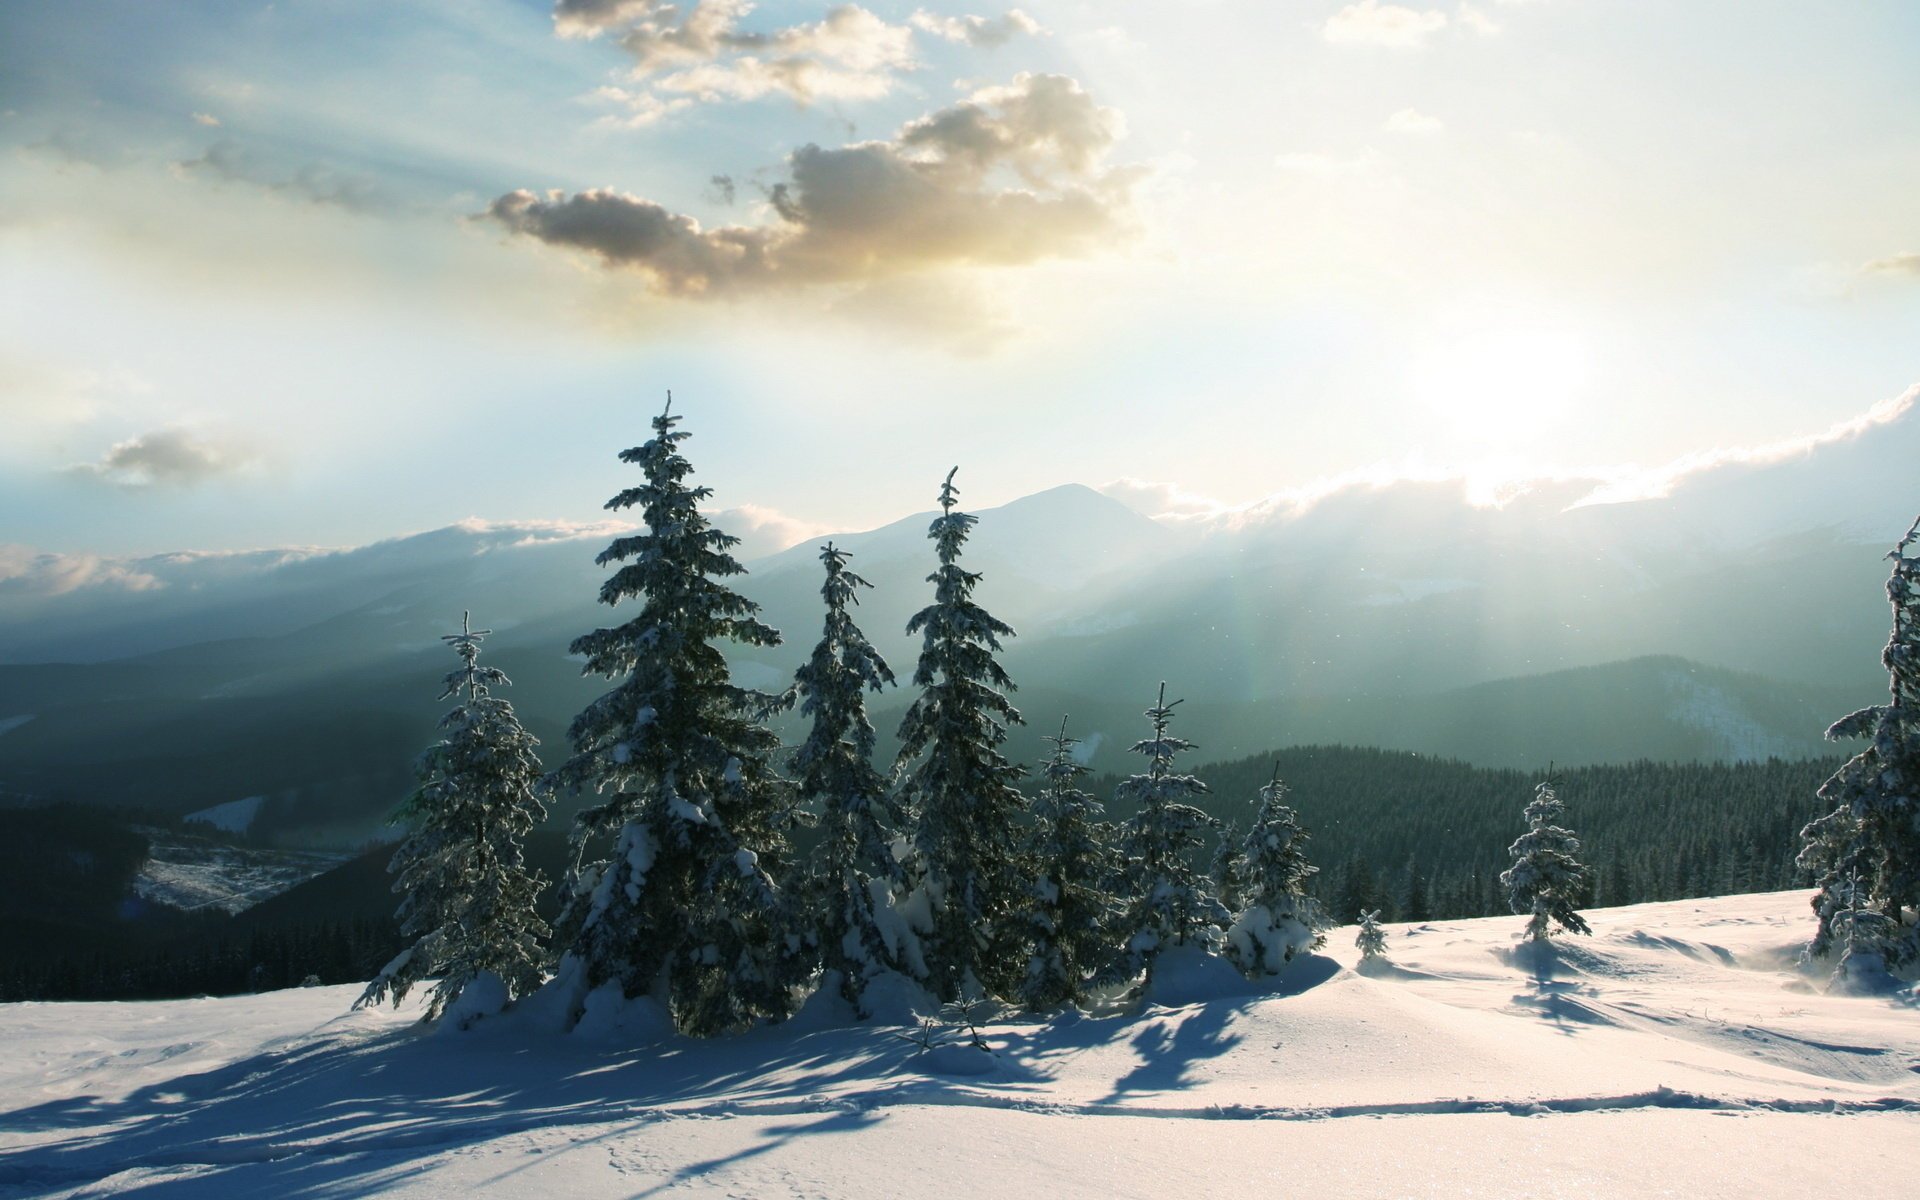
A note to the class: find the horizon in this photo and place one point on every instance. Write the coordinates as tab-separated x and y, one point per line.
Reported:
289	271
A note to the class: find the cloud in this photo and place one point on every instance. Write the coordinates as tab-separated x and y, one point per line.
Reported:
1663	480
25	571
1415	123
1905	263
207	119
228	161
1371	23
1010	176
682	55
764	530
1161	501
982	32
164	458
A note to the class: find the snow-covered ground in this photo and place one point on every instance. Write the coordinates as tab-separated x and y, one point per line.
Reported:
192	873
1675	1053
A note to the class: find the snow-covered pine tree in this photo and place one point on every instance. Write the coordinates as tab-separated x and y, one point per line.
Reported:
1071	908
1171	903
1228	859
1865	854
1546	879
855	871
1277	920
468	899
961	790
1372	940
691	814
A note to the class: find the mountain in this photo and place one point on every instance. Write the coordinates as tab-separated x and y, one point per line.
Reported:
1730	612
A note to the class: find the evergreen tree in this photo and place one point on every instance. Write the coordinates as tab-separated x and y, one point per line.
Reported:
1865	854
1172	904
960	788
1278	921
691	816
1072	911
1415	905
1228	861
1546	879
1372	940
468	899
856	871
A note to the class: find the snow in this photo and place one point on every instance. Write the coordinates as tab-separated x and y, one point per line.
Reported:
1676	1052
191	873
235	816
9	724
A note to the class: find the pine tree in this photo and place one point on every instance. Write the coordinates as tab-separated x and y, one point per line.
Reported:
1865	854
856	870
961	789
468	899
1071	910
1228	859
1372	940
1278	921
691	815
1545	879
1415	906
1171	904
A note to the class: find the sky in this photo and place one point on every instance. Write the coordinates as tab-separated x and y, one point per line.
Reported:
318	272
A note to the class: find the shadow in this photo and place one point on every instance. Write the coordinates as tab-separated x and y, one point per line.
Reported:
359	1104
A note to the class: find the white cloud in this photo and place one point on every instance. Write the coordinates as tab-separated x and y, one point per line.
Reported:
1663	480
1906	262
1371	23
701	53
1413	122
764	530
30	572
1162	501
164	458
1010	176
983	32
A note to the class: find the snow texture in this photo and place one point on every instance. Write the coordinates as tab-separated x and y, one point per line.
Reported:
1682	1032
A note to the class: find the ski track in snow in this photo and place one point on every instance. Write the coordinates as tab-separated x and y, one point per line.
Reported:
1679	1025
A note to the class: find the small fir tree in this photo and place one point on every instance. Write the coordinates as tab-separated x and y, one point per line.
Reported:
691	815
1071	908
1865	854
1546	879
1278	921
469	901
960	788
856	870
1372	939
1172	904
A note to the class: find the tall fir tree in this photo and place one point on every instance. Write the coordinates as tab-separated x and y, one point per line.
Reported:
1171	902
1277	921
961	790
1546	880
468	899
856	871
1865	854
691	816
1071	910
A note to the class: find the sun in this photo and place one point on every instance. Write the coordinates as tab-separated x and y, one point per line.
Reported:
1503	386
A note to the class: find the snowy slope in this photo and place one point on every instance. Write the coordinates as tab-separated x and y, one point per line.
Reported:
193	873
1674	1053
